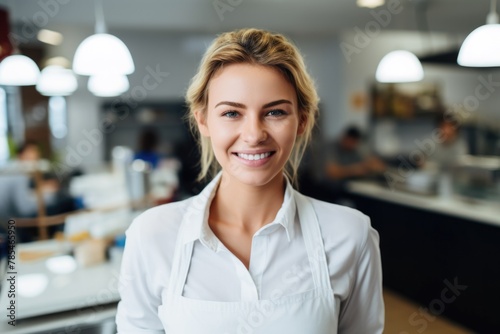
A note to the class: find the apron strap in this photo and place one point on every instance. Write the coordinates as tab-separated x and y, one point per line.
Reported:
313	241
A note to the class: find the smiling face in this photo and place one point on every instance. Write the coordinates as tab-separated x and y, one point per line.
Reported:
252	121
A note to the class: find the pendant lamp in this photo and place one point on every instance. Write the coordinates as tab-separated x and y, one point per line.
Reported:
399	66
56	81
481	48
15	69
108	85
102	53
18	70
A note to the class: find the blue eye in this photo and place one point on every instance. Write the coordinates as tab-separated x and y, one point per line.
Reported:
230	114
276	112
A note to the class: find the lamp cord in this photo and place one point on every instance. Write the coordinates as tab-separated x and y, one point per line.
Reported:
100	25
421	10
492	17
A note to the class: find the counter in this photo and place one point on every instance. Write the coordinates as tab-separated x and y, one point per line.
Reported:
443	254
62	285
480	211
79	296
99	319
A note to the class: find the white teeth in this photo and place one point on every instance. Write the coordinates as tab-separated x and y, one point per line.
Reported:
254	156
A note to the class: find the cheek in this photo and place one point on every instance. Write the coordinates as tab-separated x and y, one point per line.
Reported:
221	136
286	133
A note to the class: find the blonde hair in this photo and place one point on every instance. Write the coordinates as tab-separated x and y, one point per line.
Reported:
256	47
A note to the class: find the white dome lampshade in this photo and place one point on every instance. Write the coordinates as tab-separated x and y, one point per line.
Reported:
103	53
56	81
481	48
107	85
399	66
18	70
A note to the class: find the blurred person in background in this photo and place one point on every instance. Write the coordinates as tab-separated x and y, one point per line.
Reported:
345	161
450	147
18	197
148	143
444	157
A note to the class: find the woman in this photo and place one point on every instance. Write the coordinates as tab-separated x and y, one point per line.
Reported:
250	254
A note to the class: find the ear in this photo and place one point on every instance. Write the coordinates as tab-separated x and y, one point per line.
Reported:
301	129
302	126
201	120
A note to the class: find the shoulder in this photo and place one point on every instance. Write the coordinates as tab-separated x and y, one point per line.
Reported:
151	240
158	225
336	216
342	226
158	213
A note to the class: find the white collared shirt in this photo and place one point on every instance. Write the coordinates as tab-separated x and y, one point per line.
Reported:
278	262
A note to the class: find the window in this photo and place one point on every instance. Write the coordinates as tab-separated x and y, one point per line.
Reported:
57	117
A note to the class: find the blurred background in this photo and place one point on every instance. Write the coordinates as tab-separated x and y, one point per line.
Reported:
92	133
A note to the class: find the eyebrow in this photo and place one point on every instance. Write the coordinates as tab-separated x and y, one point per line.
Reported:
240	105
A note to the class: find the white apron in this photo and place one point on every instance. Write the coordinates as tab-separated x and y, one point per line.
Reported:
311	312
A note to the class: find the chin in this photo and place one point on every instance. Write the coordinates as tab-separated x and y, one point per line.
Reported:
255	178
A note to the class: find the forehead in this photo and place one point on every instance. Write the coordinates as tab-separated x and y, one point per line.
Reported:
244	82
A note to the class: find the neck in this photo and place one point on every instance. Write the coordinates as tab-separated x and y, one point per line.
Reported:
247	207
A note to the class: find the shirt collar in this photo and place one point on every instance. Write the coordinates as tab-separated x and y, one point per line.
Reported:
195	221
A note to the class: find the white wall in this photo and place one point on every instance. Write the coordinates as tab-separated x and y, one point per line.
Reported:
323	59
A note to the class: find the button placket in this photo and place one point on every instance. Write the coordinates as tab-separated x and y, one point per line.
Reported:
247	285
258	260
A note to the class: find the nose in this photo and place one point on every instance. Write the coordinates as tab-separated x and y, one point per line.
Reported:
253	131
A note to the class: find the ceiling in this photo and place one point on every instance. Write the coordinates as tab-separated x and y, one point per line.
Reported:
287	16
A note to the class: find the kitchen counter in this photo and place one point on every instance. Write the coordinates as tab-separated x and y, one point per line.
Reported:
84	287
429	243
99	319
480	211
51	295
